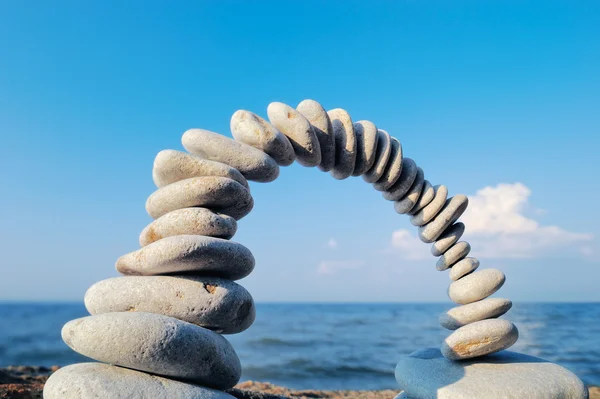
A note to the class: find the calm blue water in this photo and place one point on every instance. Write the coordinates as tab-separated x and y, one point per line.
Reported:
330	346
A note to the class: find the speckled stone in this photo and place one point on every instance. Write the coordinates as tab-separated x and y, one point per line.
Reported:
189	221
98	380
427	195
426	374
318	118
214	303
432	209
476	286
298	130
457	252
452	210
407	203
463	267
254	164
400	189
393	169
485	309
382	156
479	338
156	344
253	130
366	146
345	144
448	238
188	253
219	194
171	166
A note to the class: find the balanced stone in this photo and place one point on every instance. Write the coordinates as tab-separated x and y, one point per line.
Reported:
426	374
189	253
253	130
189	221
428	212
214	303
400	189
318	118
382	156
480	338
452	210
251	162
345	144
476	286
448	238
366	146
392	170
98	380
485	309
220	194
463	267
156	344
405	204
299	132
457	252
425	199
171	166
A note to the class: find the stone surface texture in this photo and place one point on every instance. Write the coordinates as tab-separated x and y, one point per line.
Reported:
384	150
463	267
408	201
448	238
452	210
318	118
479	338
345	144
457	252
400	189
425	199
432	209
366	146
485	309
393	169
476	286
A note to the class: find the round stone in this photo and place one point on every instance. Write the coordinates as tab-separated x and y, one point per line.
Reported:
156	344
452	210
403	185
503	375
425	199
219	194
189	221
463	267
457	252
254	164
253	130
382	156
98	380
214	303
187	253
318	118
393	168
476	286
485	309
480	338
345	144
448	238
433	208
405	204
366	146
299	132
171	166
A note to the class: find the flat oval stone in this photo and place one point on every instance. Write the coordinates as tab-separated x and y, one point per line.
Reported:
156	344
476	286
99	380
463	267
345	144
214	303
407	203
299	132
466	314
447	239
254	164
366	146
253	130
393	168
187	253
219	194
452	210
318	118
432	209
404	183
382	156
427	195
480	338
457	252
171	166
189	221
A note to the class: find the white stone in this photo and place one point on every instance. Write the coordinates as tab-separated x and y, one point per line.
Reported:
345	144
465	314
476	286
409	201
448	238
366	146
479	338
463	267
393	168
452	210
425	199
432	209
404	183
318	118
457	252
384	150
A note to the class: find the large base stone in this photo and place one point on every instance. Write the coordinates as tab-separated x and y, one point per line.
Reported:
509	375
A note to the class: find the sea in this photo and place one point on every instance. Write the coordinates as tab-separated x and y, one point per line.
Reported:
330	346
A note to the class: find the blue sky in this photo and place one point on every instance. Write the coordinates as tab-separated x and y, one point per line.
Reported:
498	100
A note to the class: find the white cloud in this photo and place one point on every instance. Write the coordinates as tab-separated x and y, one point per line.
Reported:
408	246
332	243
333	266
